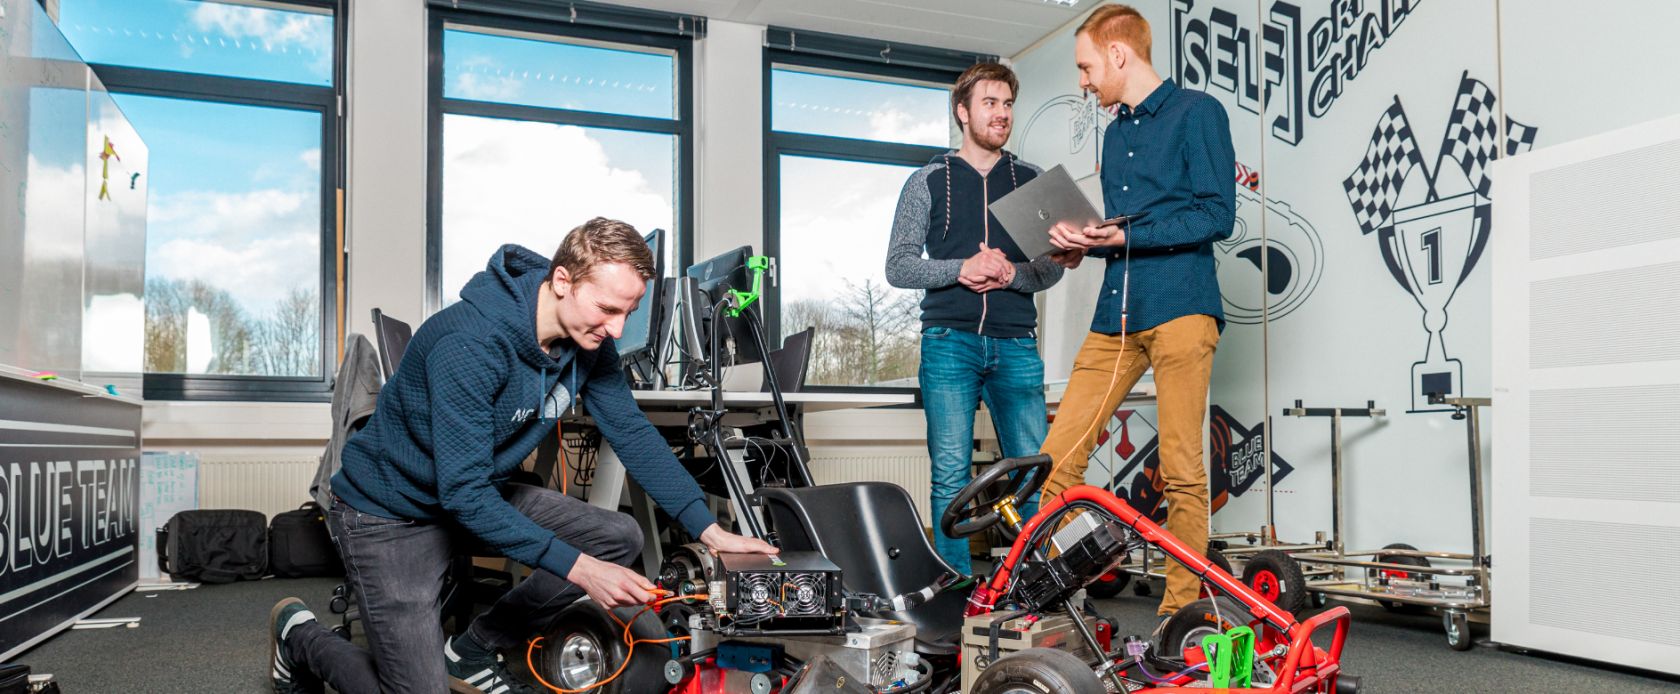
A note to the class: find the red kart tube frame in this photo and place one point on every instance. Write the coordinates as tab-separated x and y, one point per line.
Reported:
1303	667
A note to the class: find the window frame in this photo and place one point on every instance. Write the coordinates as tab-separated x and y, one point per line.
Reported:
681	125
778	143
327	101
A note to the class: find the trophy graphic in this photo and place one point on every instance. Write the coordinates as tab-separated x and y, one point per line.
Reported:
1432	222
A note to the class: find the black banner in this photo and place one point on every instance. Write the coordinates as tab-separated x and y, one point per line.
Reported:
69	502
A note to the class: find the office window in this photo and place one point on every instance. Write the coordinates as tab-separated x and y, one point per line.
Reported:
840	149
539	131
237	105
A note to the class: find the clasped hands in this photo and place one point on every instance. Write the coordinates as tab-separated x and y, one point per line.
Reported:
987	270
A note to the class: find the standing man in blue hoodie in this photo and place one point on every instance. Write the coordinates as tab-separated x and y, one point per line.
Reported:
978	319
482	382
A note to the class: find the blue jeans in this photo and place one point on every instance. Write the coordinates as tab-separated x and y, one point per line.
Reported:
960	370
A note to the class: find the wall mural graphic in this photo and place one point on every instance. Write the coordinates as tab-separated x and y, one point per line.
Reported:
1292	255
1298	72
1432	222
1128	452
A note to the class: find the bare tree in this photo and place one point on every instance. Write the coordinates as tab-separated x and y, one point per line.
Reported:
168	303
288	343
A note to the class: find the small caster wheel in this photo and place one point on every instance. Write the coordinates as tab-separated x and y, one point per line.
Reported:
1141	589
1457	625
343	631
1319	600
339	604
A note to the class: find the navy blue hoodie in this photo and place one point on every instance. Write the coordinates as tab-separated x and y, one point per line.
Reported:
473	396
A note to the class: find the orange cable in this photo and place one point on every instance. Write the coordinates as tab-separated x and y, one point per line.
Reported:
629	641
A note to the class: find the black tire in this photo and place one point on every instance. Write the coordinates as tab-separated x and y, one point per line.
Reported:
1457	626
339	604
1187	626
1041	670
586	625
674	618
1277	577
1142	589
343	631
1400	607
1109	584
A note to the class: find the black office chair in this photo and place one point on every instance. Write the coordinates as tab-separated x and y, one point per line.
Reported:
791	362
872	532
392	336
466	584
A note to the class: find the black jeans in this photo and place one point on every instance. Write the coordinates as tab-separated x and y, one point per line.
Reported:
397	569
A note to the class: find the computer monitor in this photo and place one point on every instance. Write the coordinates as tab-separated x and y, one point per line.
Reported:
641	326
714	278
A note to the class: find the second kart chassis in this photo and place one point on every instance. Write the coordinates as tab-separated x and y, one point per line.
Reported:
905	610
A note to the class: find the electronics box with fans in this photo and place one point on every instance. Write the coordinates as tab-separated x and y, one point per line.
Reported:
795	592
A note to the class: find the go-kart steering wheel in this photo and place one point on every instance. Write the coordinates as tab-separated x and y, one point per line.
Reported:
969	513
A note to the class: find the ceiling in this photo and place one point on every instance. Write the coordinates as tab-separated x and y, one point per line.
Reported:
999	27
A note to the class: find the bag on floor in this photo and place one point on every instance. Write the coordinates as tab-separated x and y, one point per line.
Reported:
214	546
299	545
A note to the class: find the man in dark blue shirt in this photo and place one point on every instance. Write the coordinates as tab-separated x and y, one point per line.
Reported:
1167	160
482	382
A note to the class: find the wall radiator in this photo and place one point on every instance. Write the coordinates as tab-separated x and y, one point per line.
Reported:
273	484
913	473
267	483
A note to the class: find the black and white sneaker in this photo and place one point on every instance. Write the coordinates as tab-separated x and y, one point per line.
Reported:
288	677
487	674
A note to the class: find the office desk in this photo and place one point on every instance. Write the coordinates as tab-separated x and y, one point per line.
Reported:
669	408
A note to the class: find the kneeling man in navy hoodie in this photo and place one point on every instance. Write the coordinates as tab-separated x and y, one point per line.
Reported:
426	480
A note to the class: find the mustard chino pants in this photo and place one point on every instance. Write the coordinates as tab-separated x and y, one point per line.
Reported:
1181	350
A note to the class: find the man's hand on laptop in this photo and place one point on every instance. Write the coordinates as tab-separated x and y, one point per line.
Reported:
610	585
1067	237
715	538
1069	259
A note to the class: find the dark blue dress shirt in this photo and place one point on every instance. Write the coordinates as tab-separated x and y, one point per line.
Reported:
1170	158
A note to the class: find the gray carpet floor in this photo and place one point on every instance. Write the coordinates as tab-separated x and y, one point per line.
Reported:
214	639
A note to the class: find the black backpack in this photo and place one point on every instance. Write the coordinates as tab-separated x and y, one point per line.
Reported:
214	546
299	545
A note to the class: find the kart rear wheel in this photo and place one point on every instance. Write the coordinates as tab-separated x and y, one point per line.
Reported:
1039	671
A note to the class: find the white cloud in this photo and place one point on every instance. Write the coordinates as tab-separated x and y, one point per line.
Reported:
311	158
836	220
254	29
257	245
900	126
487	88
267	26
530	183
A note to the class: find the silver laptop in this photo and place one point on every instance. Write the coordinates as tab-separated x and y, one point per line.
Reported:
1029	212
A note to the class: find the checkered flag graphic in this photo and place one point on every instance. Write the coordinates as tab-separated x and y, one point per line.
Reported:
1519	138
1374	187
1472	137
